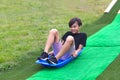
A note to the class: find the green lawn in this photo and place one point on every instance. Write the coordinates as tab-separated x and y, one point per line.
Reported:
24	26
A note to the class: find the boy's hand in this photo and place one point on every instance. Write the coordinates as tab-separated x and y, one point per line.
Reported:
75	54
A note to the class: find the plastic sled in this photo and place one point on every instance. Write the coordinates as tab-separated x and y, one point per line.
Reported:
60	62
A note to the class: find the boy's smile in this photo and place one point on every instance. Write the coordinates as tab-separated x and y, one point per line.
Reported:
75	28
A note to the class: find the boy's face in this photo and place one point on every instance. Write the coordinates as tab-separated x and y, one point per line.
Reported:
75	28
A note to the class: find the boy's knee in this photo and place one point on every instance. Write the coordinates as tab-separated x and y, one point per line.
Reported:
54	31
70	39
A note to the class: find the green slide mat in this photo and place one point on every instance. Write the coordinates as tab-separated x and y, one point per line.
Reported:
102	48
108	36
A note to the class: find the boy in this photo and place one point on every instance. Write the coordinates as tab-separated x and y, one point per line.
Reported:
72	42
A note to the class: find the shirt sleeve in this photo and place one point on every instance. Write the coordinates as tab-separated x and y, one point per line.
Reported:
83	40
65	36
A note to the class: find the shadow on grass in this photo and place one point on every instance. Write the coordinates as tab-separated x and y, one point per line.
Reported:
104	20
108	17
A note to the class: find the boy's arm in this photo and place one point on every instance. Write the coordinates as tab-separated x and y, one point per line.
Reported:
84	38
78	50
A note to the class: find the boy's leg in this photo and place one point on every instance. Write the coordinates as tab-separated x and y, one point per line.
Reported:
67	45
69	53
52	37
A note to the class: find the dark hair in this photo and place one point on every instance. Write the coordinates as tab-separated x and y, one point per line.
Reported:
73	20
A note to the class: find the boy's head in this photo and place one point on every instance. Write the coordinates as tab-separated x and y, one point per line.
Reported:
73	20
74	25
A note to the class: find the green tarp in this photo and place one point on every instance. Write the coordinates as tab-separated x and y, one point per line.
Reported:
108	36
102	48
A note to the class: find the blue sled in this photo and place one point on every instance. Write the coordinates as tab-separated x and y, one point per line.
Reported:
60	62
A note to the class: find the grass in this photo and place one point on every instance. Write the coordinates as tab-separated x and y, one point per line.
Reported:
25	23
112	72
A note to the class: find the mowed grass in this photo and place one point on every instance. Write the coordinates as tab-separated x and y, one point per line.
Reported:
24	26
